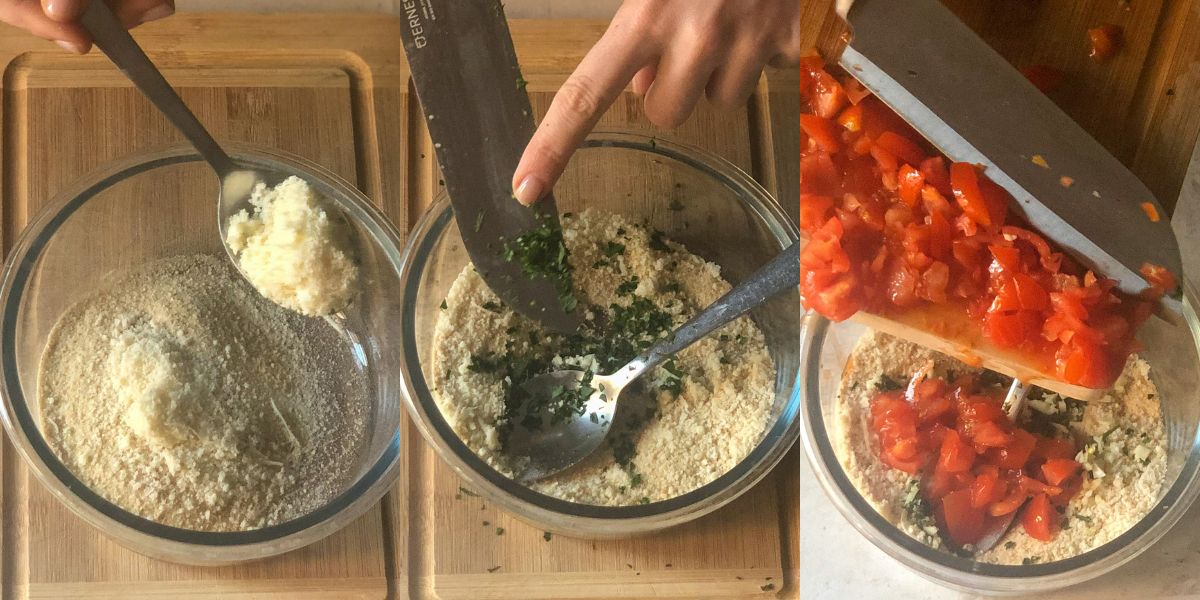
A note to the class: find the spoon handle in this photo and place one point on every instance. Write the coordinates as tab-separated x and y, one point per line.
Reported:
782	273
111	37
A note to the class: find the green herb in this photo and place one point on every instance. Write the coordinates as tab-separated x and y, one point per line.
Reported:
491	306
657	243
464	491
1029	560
612	249
644	500
1009	545
521	83
494	569
546	535
766	587
443	305
636	480
674	381
603	262
888	384
628	286
499	531
1084	518
673	287
676	205
542	254
478	221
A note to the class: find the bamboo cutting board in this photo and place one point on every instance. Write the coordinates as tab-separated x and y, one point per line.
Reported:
333	88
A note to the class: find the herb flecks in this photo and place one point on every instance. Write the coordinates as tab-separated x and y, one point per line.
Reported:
542	254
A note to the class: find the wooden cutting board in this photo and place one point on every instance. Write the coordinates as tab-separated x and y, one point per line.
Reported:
333	88
1143	104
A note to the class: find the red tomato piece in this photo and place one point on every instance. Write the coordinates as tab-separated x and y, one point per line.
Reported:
1106	40
956	455
1009	503
964	180
934	170
1010	329
1057	470
851	119
964	522
1050	448
904	149
910	181
1039	519
991	435
987	487
823	131
814	211
1035	486
1016	454
1160	279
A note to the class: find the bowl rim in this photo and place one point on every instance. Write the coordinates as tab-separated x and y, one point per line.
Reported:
139	533
962	573
549	511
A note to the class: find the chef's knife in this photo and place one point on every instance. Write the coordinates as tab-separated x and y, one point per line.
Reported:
465	72
924	63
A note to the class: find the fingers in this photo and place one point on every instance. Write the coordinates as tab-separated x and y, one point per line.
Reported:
680	79
136	12
63	11
587	93
733	82
28	15
643	78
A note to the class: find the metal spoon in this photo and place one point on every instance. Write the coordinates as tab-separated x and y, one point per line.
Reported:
237	180
1013	402
546	450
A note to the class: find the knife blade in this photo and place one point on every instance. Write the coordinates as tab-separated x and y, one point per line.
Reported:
1185	220
976	108
465	72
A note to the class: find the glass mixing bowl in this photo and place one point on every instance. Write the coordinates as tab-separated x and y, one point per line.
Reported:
160	204
725	217
1173	353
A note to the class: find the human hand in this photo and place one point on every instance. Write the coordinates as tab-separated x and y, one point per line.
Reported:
55	20
673	51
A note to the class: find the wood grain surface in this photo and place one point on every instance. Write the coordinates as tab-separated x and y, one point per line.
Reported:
334	89
1143	104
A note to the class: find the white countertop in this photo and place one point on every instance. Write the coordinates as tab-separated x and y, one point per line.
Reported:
836	563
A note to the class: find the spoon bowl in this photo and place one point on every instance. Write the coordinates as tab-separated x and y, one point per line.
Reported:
546	442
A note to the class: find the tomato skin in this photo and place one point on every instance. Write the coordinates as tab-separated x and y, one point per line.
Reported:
904	149
1057	470
1039	519
1009	503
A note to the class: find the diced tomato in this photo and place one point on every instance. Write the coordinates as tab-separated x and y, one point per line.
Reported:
855	92
1106	40
964	522
1010	329
991	435
1083	362
1008	257
1051	448
936	175
823	131
1039	519
964	180
987	487
833	296
956	455
941	236
1058	470
1009	503
1160	279
820	175
910	181
1015	455
814	211
901	147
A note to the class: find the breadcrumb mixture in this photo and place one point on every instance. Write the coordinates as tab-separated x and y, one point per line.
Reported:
183	396
1122	438
691	421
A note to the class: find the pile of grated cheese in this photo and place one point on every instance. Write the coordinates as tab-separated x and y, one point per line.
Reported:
677	442
1124	453
292	251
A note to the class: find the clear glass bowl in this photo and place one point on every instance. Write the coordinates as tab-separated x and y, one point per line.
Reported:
159	204
726	218
1173	353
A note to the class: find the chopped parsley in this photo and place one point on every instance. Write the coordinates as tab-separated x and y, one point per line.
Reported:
521	83
546	535
443	305
673	287
612	249
1009	545
1030	560
499	531
628	286
491	306
542	254
888	383
657	243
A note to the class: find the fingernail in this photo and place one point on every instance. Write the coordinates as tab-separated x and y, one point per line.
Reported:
529	191
71	47
157	12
